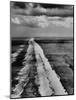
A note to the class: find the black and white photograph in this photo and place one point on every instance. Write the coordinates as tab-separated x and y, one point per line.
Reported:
42	49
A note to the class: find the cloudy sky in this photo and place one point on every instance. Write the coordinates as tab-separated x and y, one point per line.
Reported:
41	20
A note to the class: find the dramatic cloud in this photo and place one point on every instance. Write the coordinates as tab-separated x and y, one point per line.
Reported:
35	19
34	9
41	15
30	21
41	21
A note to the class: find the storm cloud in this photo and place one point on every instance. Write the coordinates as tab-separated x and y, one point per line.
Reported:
39	19
34	9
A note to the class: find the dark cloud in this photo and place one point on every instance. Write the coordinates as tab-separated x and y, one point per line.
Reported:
60	6
34	19
44	5
18	5
36	9
59	12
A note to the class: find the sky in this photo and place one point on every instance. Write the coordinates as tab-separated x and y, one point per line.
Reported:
41	20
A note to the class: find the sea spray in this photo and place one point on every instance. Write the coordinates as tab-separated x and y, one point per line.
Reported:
44	88
23	74
14	55
46	79
54	81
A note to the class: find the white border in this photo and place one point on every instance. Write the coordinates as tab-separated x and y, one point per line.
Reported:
5	48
